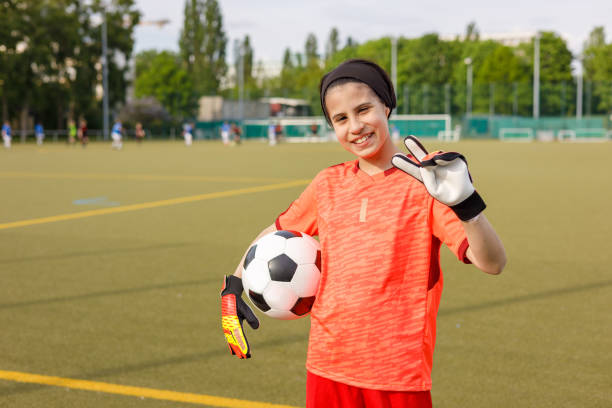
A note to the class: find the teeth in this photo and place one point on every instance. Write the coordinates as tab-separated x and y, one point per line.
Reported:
361	139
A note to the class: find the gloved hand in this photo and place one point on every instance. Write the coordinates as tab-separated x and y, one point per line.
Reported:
233	311
445	176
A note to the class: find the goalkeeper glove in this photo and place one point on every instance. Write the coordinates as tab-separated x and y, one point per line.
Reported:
445	176
233	312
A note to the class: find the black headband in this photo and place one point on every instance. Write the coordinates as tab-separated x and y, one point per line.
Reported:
363	71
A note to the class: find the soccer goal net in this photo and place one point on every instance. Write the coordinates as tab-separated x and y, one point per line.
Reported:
294	129
516	134
584	135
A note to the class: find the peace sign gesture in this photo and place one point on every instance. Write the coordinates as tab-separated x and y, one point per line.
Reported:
445	176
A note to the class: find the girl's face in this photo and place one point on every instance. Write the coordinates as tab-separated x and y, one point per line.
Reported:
359	119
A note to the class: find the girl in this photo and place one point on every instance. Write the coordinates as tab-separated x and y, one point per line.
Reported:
381	220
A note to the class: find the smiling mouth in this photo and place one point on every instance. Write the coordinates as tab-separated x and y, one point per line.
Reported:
362	139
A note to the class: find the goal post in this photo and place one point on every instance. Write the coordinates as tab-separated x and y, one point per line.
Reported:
584	135
516	134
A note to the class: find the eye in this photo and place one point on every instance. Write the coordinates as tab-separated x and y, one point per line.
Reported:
339	119
363	108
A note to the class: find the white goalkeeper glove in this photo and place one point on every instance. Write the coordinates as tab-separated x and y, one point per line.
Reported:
445	176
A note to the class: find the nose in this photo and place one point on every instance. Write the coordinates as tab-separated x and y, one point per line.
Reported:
356	125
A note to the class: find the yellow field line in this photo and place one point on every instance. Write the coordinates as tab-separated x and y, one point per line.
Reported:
152	204
134	177
141	392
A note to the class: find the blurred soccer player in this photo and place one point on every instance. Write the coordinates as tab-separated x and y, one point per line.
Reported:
188	134
72	132
39	133
117	135
272	134
6	134
139	133
225	133
373	323
83	133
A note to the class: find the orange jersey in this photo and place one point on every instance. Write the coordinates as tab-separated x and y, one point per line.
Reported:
373	324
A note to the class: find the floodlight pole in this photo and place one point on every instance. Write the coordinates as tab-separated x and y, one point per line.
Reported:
241	82
536	77
579	80
394	62
104	79
468	99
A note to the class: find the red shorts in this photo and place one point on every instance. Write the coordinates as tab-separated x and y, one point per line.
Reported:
324	393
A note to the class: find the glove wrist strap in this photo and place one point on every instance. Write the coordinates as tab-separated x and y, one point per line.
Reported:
233	284
470	207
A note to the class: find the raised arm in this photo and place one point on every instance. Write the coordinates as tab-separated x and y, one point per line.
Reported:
486	250
446	177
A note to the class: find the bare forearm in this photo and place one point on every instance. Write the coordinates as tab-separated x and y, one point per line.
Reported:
486	250
267	230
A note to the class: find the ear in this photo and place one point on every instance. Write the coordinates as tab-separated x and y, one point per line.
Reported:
387	111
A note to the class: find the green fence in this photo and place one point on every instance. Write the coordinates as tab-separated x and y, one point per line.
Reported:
514	127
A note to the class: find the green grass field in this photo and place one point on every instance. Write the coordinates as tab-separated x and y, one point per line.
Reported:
129	296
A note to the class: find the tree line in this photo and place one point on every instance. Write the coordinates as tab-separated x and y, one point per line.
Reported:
432	73
51	67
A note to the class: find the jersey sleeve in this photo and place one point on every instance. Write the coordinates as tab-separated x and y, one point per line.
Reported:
447	228
302	213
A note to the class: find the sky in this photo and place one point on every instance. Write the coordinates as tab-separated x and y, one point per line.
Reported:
274	26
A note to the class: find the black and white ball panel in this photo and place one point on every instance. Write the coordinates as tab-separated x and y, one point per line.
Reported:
259	301
255	280
270	246
305	281
249	256
278	295
288	234
282	268
295	250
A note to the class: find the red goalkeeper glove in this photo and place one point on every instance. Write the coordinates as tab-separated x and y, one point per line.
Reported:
445	176
233	312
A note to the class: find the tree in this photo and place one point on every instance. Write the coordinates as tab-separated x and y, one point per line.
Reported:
331	48
503	70
168	82
310	50
471	32
555	72
597	63
244	51
147	111
202	45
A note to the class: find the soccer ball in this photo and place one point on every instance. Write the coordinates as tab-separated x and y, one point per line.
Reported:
281	274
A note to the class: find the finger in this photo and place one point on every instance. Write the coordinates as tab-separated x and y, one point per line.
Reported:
443	159
237	340
407	166
237	352
248	314
415	147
